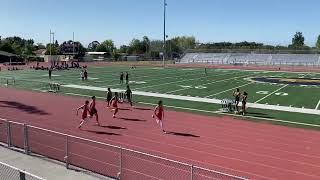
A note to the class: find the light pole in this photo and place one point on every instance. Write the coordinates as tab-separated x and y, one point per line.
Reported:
164	31
50	42
73	45
51	33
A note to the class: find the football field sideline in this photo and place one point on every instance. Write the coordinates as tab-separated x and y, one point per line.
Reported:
198	99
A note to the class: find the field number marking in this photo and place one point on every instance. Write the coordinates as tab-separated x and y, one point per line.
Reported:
276	91
277	94
193	87
137	82
263	92
281	94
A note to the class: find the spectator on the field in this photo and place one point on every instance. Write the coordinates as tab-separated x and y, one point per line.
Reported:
50	73
85	75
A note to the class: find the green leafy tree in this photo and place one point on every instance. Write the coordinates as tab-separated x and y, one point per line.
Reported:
56	44
17	46
145	45
185	42
101	48
106	46
298	40
82	49
5	46
109	45
156	46
318	42
116	55
124	49
93	46
53	49
136	47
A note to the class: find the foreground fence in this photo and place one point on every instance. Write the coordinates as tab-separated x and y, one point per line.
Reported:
105	159
8	172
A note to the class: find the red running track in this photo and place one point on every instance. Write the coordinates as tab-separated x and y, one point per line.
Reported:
244	148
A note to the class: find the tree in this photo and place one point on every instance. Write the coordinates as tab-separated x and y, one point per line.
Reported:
109	45
137	47
93	46
124	49
6	47
52	49
156	46
116	55
56	44
106	46
298	40
101	48
82	49
145	44
185	42
318	42
17	46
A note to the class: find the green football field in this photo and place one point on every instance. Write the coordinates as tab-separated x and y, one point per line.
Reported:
191	89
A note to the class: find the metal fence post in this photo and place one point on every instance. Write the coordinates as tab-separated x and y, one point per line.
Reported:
9	140
120	164
22	175
191	171
66	157
26	139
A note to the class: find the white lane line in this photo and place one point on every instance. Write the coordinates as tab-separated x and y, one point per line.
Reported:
254	117
272	93
214	112
204	100
317	107
230	89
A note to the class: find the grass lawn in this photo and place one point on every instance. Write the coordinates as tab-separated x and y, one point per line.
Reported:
187	82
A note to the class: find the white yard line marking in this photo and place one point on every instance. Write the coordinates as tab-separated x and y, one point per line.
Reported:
205	100
53	75
150	78
213	112
183	81
206	84
230	89
277	90
317	107
272	93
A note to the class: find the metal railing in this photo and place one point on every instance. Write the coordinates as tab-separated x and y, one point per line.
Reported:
101	158
243	63
8	172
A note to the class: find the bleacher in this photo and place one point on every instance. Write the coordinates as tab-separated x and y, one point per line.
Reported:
252	58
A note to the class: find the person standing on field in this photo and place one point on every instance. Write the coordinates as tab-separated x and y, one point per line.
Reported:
127	78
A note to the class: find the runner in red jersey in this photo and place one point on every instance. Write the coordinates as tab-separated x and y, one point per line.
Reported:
114	103
85	112
93	110
159	115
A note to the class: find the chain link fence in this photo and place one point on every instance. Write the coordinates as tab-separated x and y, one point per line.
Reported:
101	158
8	172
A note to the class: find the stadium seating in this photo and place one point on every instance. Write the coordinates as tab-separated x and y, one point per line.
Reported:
251	58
